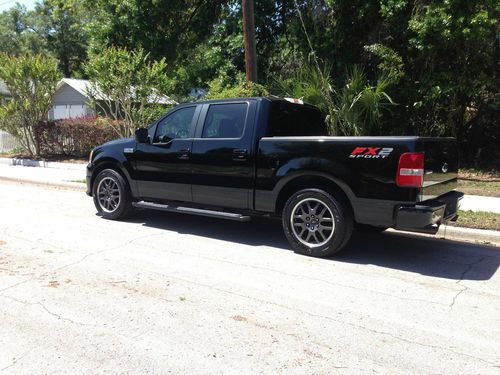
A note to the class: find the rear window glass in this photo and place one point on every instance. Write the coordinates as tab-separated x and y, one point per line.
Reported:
295	120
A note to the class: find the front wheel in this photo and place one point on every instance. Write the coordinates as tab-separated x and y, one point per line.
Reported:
111	194
317	223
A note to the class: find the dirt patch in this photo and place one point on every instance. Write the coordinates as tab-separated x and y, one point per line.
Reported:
240	318
2	243
313	354
53	284
477	175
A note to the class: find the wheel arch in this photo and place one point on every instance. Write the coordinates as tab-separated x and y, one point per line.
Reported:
312	181
113	164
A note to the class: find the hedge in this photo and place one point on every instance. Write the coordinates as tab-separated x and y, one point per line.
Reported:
73	137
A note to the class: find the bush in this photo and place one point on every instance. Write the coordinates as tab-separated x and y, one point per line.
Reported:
74	137
218	89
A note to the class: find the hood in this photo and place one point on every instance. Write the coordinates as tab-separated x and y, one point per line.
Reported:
120	142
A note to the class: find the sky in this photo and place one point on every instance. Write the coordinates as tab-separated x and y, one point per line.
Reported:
6	4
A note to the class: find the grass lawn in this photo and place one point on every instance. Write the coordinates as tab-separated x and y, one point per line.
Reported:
478	220
484	188
475	182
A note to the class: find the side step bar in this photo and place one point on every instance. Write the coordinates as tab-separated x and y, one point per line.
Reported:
192	211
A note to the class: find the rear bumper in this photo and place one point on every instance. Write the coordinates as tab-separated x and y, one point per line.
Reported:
427	216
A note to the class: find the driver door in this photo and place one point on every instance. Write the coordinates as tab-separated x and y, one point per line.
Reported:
163	166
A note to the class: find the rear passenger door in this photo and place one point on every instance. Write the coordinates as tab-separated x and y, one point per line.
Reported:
222	155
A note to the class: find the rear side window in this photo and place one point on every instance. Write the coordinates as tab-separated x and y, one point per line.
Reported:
295	120
225	120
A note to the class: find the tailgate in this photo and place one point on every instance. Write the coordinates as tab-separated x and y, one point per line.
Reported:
441	166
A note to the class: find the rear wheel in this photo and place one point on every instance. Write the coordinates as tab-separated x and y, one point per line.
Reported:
317	223
111	194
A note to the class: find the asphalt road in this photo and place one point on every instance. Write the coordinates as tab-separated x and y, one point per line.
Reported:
167	293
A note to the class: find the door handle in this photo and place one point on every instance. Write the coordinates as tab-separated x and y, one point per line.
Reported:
184	154
240	154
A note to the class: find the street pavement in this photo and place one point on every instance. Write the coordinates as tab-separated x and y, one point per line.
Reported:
168	293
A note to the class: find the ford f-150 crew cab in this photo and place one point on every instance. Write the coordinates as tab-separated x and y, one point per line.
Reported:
239	158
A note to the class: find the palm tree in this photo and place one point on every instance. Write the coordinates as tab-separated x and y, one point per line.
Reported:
354	108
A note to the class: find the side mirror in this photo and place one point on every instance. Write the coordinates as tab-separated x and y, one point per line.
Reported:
142	135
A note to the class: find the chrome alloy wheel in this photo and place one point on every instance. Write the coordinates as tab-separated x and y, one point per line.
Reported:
312	222
108	194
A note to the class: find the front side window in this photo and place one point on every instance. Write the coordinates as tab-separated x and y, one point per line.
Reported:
175	126
225	121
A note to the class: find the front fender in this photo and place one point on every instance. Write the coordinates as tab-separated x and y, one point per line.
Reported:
102	160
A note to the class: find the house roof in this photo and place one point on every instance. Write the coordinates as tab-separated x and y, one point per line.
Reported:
83	87
4	91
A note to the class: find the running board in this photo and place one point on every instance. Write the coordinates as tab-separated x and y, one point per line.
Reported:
192	211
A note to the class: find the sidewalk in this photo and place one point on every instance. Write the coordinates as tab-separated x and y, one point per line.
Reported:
61	175
479	203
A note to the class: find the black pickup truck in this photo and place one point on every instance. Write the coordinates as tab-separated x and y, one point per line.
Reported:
239	158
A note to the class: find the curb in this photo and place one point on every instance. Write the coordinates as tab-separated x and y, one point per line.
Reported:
469	234
42	164
59	185
446	232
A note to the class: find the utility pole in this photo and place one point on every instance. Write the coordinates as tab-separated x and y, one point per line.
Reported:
249	36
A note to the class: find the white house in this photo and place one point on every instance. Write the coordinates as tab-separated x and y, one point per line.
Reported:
71	99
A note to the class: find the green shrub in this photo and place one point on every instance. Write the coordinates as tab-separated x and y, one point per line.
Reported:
221	89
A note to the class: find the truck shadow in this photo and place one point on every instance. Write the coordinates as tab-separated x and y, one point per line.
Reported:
426	256
433	257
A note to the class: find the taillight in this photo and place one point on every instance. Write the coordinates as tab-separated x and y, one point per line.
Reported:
411	170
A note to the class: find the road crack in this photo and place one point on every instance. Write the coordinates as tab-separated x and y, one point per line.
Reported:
42	305
16	359
464	288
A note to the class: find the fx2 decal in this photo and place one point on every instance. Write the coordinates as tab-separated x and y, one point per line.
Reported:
370	153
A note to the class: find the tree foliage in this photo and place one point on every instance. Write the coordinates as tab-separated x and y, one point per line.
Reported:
19	32
353	108
63	27
127	85
31	80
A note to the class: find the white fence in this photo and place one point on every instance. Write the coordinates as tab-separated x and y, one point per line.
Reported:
7	142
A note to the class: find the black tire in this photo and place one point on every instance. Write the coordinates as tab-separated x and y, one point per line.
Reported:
310	233
119	204
369	228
